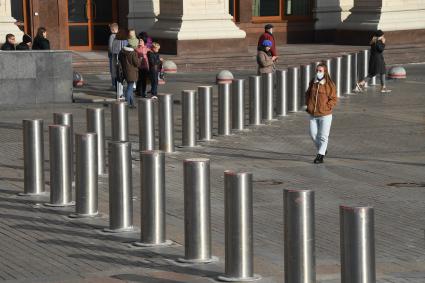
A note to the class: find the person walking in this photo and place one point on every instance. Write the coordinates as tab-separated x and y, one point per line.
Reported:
142	52
113	29
118	44
40	41
9	44
268	35
320	100
264	58
25	45
155	66
130	65
376	62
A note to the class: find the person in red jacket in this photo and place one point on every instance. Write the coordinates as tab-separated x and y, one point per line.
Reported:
268	35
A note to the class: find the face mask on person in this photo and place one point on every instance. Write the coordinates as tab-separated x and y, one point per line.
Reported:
320	75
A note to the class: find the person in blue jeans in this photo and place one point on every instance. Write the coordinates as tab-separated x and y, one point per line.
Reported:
130	63
155	65
320	100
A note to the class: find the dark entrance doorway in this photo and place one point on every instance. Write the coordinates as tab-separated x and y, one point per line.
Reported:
88	22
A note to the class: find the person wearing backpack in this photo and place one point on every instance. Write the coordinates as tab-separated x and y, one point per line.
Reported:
130	63
142	52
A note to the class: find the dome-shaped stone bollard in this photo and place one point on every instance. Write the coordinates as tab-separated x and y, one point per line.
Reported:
169	67
224	77
397	72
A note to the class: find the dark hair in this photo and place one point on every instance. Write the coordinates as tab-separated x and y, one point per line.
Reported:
9	36
143	35
40	31
122	34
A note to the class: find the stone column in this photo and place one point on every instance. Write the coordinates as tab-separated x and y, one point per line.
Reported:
142	14
7	23
197	26
328	17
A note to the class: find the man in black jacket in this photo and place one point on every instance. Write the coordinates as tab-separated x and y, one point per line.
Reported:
9	45
25	44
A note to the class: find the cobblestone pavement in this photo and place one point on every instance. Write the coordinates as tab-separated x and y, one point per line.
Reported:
376	157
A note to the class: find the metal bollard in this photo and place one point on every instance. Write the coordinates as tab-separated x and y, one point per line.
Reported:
354	70
364	65
347	85
294	89
357	244
238	104
373	81
255	114
224	109
96	124
239	265
299	240
119	121
329	66
120	187
189	118
60	166
86	176
306	75
152	199
205	114
267	87
33	157
67	120
197	211
166	122
146	124
336	67
282	93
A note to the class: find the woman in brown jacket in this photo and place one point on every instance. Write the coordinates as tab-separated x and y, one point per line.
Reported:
320	100
265	59
130	63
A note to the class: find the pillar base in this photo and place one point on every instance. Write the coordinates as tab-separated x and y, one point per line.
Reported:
363	37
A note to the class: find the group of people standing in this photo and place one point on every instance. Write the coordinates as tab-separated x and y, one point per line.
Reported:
40	42
134	60
321	96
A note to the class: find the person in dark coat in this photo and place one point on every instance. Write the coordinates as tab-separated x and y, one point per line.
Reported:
25	44
130	63
376	61
9	44
268	35
40	41
155	65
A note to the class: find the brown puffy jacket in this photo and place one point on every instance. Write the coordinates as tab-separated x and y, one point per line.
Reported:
130	64
320	98
265	62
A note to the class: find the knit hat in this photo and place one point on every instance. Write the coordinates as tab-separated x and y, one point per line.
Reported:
26	38
267	43
379	33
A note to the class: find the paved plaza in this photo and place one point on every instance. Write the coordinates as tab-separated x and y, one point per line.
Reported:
376	157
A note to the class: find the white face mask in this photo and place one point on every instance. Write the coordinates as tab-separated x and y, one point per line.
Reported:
320	75
271	30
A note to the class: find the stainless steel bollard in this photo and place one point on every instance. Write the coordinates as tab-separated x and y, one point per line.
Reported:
205	114
347	85
364	65
238	104
354	70
33	157
120	187
299	239
152	199
239	250
294	89
96	124
67	120
306	75
146	124
357	244
119	121
166	122
255	114
197	211
329	66
224	109
189	118
282	93
267	87
60	166
373	81
86	176
336	74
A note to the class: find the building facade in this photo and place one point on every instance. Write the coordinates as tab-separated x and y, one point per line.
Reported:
187	26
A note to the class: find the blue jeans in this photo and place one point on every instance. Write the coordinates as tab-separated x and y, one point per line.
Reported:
114	81
129	93
319	132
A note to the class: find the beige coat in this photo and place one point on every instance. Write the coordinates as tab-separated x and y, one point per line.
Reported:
265	62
